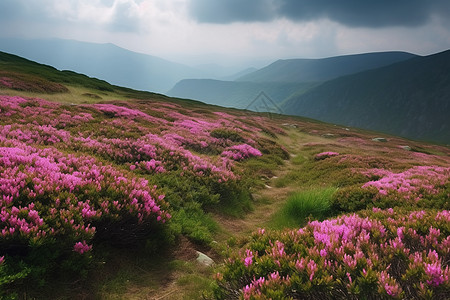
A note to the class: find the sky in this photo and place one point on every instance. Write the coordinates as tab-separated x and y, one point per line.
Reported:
236	31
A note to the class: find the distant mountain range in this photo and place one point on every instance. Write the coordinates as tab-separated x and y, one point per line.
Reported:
281	79
394	92
112	63
233	93
409	98
314	70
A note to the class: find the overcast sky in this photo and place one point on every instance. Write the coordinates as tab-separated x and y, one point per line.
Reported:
196	31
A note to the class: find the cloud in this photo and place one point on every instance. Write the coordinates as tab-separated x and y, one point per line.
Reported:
112	15
228	11
125	17
352	13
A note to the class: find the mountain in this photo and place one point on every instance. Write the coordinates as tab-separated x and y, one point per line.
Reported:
239	74
107	61
232	93
309	70
22	75
281	79
409	98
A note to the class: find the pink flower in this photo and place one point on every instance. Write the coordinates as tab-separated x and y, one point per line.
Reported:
249	258
81	247
324	155
311	269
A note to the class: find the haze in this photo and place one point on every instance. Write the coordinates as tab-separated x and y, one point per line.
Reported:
235	32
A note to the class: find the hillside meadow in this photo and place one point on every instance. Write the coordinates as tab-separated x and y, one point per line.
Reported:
108	193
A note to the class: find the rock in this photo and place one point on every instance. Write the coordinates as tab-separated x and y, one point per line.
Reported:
328	135
407	148
289	125
383	140
204	259
256	196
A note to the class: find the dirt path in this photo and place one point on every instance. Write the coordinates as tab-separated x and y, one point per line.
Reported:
269	199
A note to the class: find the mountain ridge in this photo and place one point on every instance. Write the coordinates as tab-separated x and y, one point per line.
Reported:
409	98
107	61
321	69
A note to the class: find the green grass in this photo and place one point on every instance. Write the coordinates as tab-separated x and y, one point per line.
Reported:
195	224
300	206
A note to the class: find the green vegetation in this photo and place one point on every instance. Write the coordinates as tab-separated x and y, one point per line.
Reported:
302	206
13	63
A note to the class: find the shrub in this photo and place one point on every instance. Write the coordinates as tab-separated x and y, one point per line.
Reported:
420	187
53	205
324	155
380	254
354	198
227	134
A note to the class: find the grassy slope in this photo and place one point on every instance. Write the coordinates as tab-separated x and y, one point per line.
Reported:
176	275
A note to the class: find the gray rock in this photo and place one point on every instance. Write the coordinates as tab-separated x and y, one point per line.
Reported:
407	148
204	259
383	140
289	125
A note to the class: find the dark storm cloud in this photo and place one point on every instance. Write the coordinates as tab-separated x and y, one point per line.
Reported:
357	13
227	11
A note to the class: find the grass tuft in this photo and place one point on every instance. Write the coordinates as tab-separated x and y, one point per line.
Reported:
300	206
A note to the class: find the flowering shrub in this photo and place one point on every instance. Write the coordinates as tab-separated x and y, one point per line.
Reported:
324	155
374	255
48	195
73	176
419	186
411	184
240	152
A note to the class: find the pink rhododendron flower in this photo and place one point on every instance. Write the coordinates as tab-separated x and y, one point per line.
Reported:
81	247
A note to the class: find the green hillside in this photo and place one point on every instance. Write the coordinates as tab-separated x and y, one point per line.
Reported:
410	98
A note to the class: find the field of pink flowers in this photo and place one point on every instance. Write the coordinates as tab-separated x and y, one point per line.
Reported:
390	238
76	175
378	254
